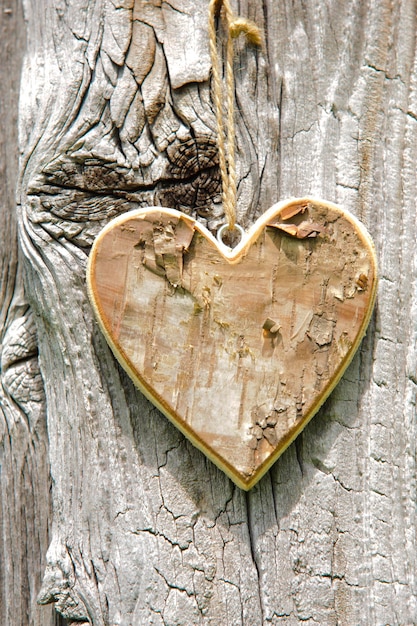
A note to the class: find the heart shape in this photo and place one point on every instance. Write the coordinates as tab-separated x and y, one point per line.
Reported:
238	348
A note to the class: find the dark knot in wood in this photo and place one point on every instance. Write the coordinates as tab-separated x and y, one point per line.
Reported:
193	176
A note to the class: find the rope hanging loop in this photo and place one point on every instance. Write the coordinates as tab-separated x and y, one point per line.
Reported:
233	26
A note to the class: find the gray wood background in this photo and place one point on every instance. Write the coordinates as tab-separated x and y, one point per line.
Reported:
133	524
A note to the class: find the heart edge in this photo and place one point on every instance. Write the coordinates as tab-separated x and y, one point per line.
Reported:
233	256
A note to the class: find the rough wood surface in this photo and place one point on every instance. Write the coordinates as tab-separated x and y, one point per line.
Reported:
237	347
116	114
25	503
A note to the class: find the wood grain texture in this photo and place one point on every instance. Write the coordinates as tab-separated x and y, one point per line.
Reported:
25	503
116	114
237	347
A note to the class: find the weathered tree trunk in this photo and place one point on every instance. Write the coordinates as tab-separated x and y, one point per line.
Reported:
116	114
25	503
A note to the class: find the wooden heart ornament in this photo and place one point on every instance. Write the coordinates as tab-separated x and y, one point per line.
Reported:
237	347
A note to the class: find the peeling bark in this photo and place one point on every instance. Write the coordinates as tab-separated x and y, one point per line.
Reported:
189	321
116	114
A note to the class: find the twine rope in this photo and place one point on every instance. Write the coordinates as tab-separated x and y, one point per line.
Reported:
226	139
